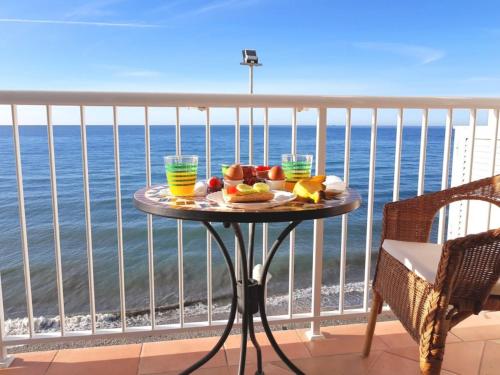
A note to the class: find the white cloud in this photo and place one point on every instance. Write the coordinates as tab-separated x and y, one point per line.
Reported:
96	8
423	54
78	23
216	6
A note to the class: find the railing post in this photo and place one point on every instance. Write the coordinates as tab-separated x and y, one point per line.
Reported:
493	123
317	272
369	214
446	173
5	360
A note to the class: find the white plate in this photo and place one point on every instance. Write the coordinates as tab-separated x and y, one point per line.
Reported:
280	197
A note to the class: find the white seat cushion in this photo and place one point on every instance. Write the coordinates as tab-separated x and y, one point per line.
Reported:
421	258
496	289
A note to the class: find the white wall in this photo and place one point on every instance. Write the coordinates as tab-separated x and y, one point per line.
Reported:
482	215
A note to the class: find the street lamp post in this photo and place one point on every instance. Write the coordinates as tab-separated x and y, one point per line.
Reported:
250	59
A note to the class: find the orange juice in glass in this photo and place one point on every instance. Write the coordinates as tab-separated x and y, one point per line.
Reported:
296	167
181	174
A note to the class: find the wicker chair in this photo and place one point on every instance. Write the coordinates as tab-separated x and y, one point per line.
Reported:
430	287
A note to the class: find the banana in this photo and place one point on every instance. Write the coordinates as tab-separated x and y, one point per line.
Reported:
309	189
319	178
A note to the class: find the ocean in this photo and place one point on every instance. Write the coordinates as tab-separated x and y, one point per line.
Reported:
103	215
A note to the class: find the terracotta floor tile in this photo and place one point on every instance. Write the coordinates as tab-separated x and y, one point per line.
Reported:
358	329
35	363
289	342
340	340
338	353
204	371
490	363
343	364
161	357
477	333
482	319
484	326
460	358
394	335
118	359
450	338
269	368
463	357
387	362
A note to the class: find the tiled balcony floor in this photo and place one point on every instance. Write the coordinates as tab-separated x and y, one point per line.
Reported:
473	348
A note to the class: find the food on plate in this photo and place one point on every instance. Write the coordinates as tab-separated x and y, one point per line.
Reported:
214	184
276	184
244	189
276	178
311	189
249	174
319	178
234	172
276	173
262	171
261	187
246	193
233	175
228	183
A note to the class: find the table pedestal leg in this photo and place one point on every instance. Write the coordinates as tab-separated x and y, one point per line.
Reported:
249	298
254	298
234	303
262	298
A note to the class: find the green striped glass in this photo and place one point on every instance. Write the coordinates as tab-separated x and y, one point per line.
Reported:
181	174
296	166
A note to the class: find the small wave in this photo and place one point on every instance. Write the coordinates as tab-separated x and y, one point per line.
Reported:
277	304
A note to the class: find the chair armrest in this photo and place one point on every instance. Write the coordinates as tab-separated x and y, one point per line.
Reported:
411	219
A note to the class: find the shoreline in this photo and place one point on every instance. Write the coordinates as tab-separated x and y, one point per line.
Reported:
193	311
384	316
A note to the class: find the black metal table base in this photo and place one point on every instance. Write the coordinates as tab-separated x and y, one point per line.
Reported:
248	297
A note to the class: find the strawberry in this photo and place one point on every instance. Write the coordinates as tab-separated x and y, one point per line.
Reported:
262	168
231	190
214	184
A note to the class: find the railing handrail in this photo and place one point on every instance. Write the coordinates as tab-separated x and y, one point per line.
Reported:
140	99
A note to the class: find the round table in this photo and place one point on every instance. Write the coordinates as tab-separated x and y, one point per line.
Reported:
248	295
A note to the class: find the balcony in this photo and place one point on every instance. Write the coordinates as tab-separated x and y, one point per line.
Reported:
473	348
113	274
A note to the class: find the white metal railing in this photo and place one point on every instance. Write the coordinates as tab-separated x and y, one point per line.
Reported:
205	102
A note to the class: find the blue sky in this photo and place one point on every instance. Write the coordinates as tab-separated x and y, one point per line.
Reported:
324	47
307	47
